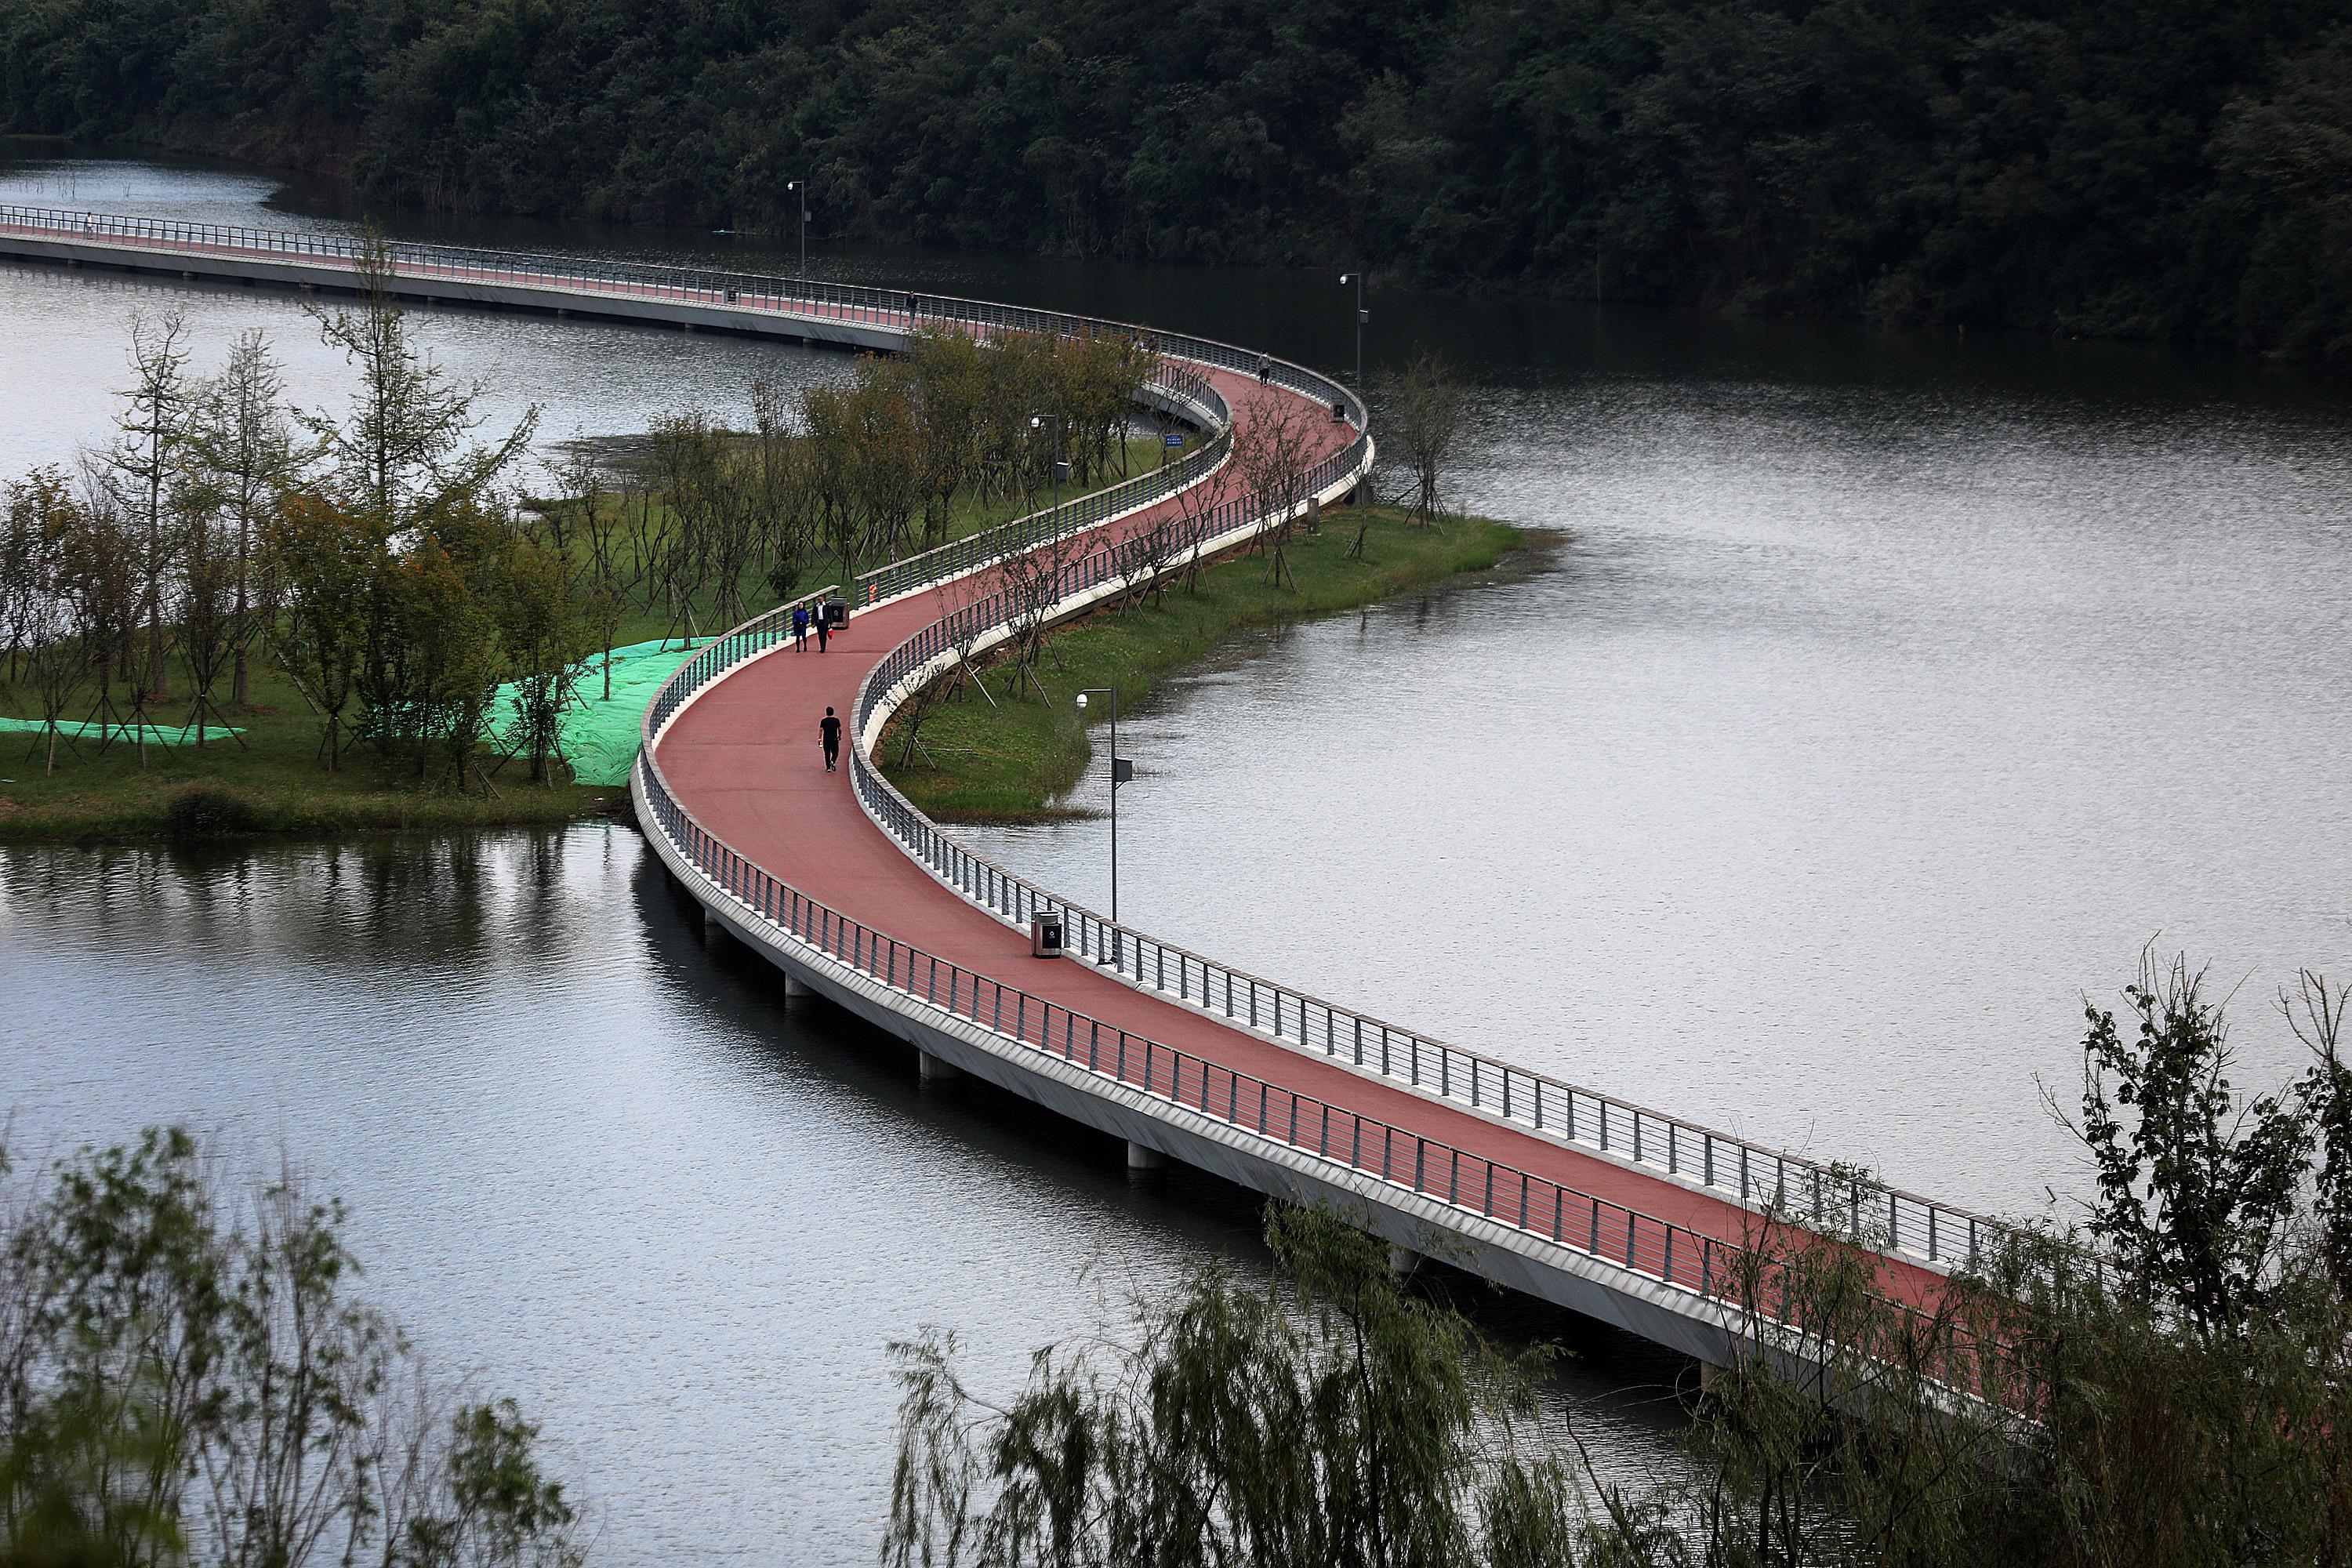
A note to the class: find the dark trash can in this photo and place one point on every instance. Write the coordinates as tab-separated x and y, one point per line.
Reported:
1046	935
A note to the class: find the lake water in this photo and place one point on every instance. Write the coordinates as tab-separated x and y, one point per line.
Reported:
1874	698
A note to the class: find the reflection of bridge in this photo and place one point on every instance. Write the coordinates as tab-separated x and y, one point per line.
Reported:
1610	1209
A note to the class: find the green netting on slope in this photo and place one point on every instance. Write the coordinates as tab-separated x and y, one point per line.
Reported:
127	734
600	734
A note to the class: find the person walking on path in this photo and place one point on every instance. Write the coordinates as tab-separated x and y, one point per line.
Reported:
800	628
1264	369
829	729
823	622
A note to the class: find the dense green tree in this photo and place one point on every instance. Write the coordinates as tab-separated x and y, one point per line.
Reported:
2170	168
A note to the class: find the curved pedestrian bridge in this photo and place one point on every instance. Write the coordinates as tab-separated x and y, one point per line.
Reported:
1617	1211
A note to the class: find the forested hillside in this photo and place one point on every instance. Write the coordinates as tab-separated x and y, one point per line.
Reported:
2168	168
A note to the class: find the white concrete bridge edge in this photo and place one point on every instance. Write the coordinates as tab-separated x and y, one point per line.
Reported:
1705	1329
549	296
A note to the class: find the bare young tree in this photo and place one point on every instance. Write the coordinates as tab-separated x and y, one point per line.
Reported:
211	587
1034	581
1422	408
960	601
1144	553
1203	510
780	514
145	466
243	453
585	485
44	519
687	457
1271	443
407	449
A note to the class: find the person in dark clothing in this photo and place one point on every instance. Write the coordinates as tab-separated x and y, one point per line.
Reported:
829	727
1264	369
800	628
824	624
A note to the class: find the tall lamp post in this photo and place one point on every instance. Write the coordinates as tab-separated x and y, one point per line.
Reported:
1121	771
1061	469
802	186
1362	316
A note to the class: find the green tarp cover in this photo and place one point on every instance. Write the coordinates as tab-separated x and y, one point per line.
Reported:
124	734
600	734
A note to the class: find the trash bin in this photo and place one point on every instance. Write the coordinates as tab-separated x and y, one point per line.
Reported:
1046	935
836	614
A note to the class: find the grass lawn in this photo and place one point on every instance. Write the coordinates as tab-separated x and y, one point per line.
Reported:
1007	763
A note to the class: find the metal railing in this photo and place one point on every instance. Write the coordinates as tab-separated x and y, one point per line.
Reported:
1712	1268
896	311
1754	1174
885	308
1171	382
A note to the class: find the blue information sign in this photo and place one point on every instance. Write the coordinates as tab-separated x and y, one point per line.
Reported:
1172	441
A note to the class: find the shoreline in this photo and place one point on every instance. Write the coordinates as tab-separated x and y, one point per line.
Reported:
1029	753
1009	762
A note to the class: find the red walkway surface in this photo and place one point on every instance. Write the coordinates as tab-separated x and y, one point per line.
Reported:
744	759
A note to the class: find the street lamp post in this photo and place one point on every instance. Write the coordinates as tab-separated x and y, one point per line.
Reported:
1061	469
1121	771
1362	316
802	186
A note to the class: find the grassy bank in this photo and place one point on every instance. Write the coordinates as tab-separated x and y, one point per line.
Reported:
275	782
1007	761
271	778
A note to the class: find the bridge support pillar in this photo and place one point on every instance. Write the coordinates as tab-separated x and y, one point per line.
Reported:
714	929
794	986
1140	1157
932	1069
1403	1261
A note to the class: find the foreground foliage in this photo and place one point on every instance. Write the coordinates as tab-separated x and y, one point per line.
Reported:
2186	1404
187	1376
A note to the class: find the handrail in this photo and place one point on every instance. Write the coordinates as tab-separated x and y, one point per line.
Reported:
960	557
1672	1254
892	310
1650	1245
1754	1174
